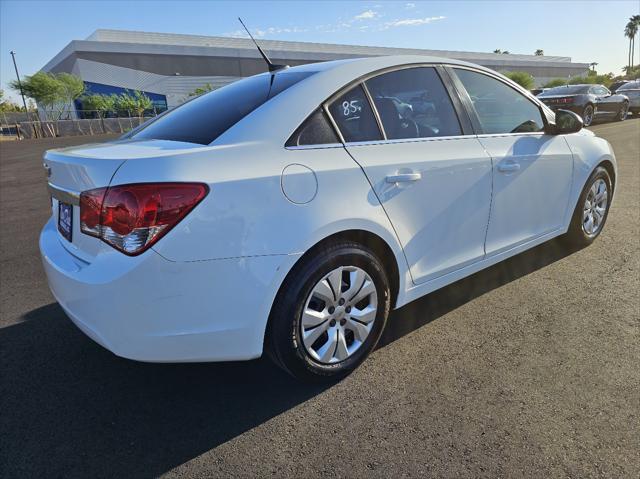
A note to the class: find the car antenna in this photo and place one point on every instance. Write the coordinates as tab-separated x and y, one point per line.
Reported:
272	66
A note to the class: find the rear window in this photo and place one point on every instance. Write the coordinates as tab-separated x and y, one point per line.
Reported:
565	90
205	118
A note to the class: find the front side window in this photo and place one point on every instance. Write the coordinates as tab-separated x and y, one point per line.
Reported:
500	108
600	91
413	103
354	117
205	118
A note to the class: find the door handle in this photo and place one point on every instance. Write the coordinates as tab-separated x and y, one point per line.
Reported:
508	167
403	177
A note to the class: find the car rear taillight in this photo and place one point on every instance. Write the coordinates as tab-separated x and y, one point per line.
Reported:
131	218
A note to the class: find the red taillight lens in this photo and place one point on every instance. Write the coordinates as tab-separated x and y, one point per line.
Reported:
90	206
131	218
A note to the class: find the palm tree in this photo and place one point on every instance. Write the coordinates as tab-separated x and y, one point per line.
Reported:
630	31
539	52
636	22
593	65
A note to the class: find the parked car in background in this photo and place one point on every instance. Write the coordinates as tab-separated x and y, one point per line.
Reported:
537	91
615	85
290	211
591	102
631	90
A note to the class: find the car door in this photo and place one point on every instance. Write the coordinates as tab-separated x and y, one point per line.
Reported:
433	182
532	170
606	104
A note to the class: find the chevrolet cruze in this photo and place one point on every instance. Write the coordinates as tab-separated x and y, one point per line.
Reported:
289	212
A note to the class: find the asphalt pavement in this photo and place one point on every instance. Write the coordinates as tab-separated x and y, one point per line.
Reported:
528	369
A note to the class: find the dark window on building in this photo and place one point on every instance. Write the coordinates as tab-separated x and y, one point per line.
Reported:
316	130
413	103
205	118
354	117
500	108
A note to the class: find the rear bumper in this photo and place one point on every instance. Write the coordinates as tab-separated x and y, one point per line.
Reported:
150	309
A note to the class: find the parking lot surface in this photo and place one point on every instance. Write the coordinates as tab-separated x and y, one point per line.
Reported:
530	368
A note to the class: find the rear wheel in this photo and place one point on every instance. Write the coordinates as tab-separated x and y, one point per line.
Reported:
587	115
592	209
330	312
622	113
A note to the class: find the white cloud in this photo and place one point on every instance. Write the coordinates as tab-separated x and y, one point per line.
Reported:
259	33
409	6
409	22
366	15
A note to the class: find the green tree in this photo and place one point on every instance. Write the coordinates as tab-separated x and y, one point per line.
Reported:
43	87
523	79
102	104
136	102
202	90
539	52
52	92
555	82
497	50
7	105
630	31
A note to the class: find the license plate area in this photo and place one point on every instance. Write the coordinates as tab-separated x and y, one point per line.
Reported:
65	220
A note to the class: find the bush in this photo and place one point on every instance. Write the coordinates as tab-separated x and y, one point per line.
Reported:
523	79
555	82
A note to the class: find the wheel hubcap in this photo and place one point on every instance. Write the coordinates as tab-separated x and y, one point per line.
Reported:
595	207
339	314
588	115
623	111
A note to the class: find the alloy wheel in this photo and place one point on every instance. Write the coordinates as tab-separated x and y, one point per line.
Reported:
595	207
339	314
587	115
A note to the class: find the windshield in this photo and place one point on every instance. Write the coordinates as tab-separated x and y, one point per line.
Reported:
632	85
206	117
565	90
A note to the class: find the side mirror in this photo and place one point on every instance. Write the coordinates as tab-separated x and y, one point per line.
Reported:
567	122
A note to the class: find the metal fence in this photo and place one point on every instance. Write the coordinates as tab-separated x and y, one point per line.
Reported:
78	123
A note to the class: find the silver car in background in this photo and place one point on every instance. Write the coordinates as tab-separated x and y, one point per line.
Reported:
632	91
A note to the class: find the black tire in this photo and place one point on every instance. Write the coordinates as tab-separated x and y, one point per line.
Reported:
587	115
283	342
576	236
622	112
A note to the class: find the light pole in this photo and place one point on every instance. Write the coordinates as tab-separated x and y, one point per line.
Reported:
24	102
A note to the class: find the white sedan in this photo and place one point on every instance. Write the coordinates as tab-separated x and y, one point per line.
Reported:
289	212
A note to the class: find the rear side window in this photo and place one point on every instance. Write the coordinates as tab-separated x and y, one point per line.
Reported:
500	108
205	118
413	103
354	117
316	130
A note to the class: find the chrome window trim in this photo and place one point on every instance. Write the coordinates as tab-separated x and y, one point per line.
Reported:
64	195
319	146
409	140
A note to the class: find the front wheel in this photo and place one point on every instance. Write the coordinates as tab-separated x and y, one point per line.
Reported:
622	113
330	312
587	115
592	209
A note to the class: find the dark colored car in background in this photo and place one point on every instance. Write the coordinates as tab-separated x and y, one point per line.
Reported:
591	102
631	90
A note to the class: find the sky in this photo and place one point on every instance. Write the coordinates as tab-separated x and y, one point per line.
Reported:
586	31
